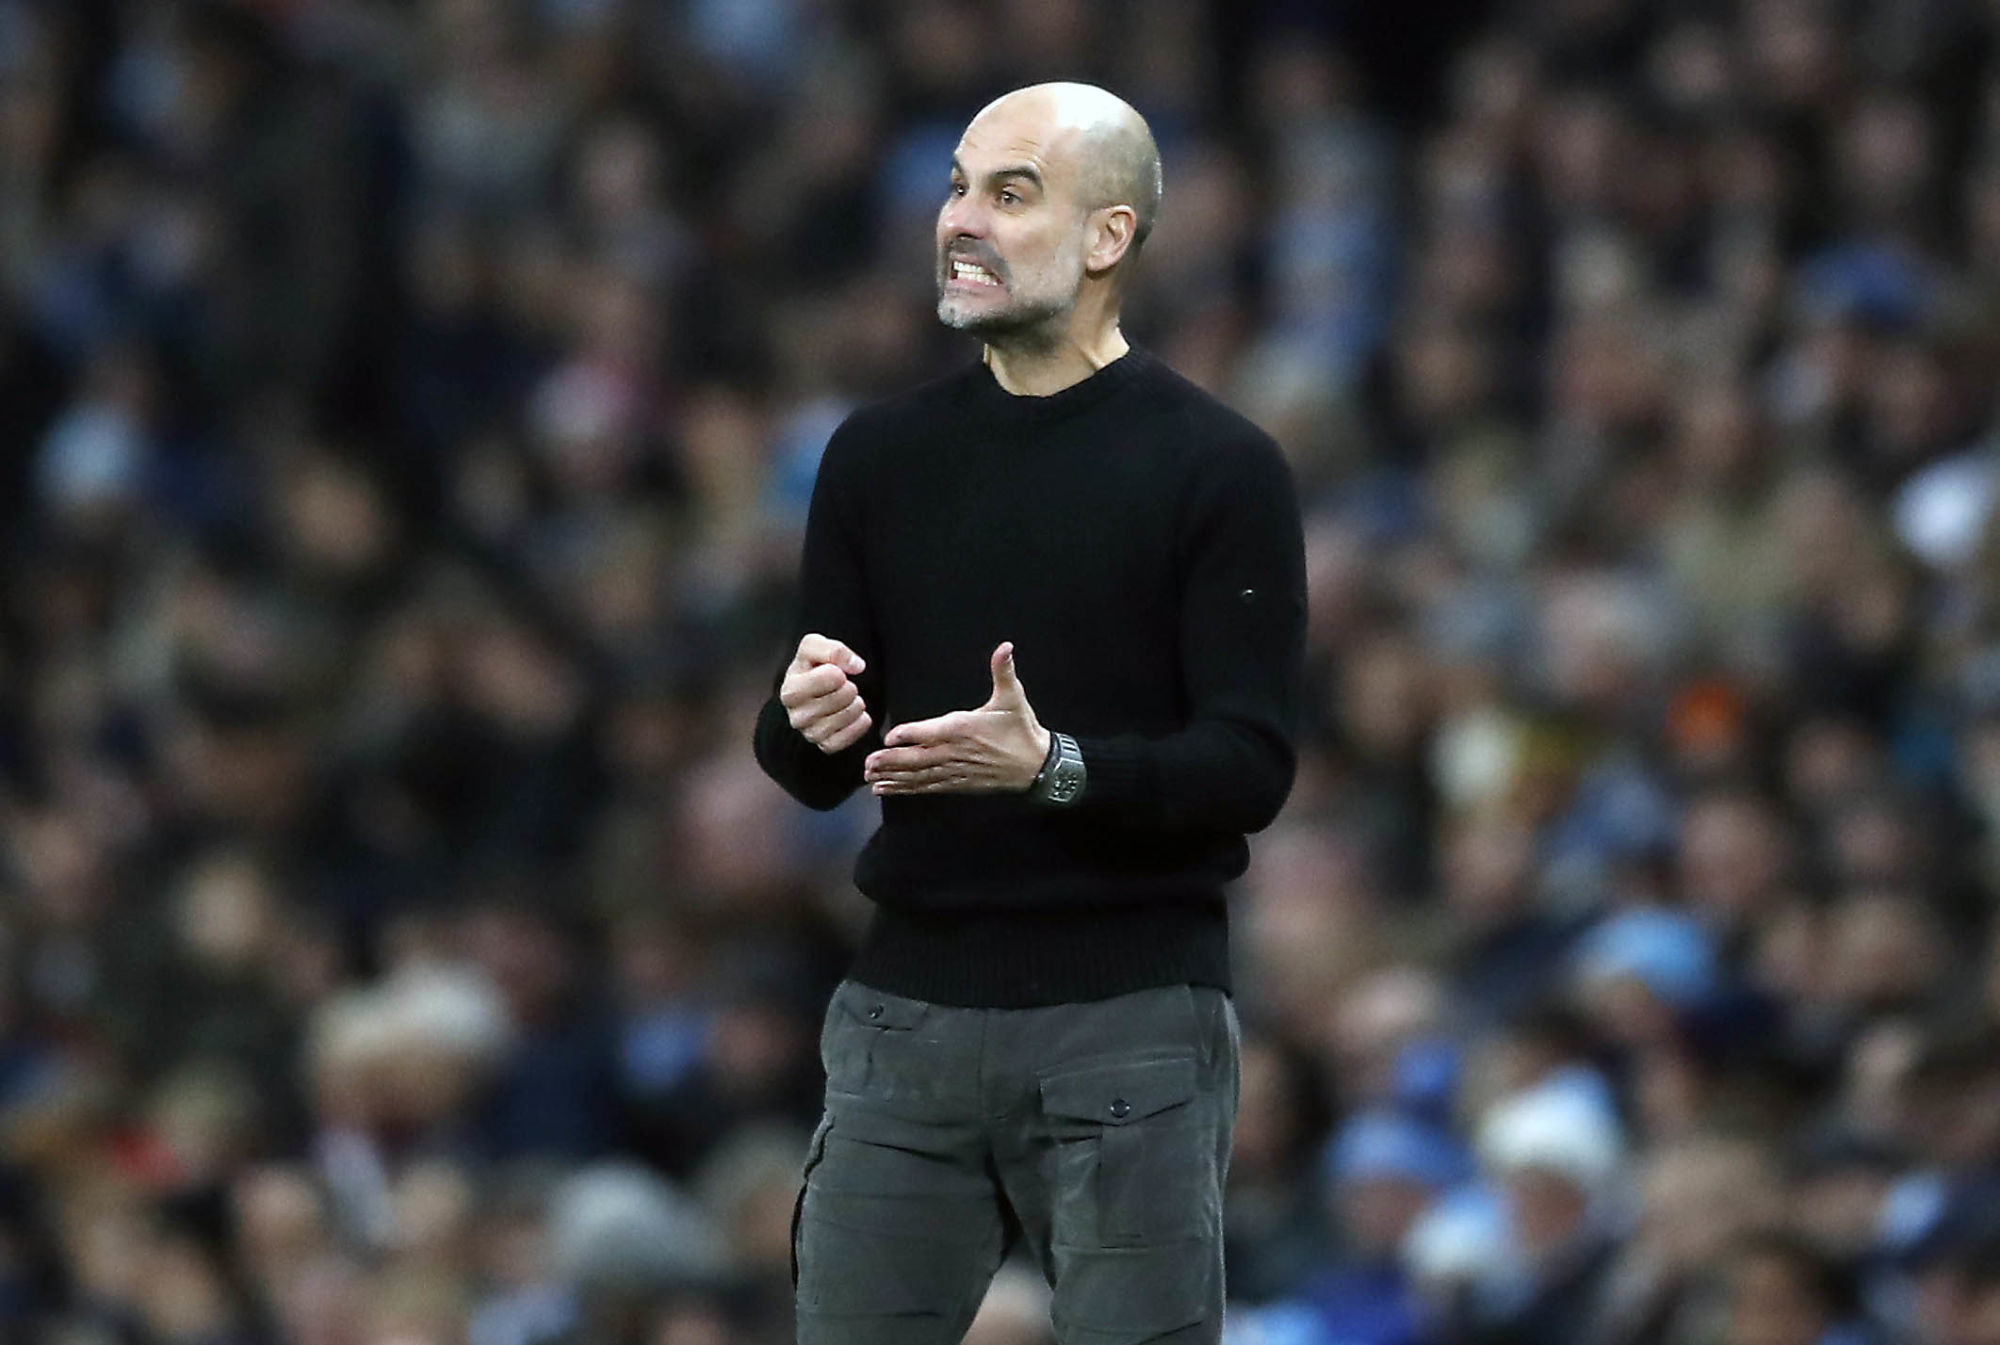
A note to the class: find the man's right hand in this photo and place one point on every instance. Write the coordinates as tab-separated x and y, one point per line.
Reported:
820	696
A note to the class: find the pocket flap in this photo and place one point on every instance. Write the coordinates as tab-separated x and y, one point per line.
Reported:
880	1010
1119	1094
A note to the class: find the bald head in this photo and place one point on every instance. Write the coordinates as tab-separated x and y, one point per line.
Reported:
1104	139
1052	187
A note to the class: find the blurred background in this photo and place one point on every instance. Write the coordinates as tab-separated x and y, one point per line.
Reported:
407	414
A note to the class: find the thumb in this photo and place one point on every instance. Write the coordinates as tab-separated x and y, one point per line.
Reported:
1007	689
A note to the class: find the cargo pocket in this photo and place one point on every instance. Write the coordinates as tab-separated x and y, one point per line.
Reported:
1152	1161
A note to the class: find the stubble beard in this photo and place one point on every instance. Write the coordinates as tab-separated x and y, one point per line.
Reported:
1028	320
1019	321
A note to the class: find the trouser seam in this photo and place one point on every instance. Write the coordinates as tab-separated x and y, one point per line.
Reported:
813	1160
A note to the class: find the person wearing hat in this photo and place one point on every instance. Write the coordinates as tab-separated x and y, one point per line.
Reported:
1640	972
1555	1155
1383	1170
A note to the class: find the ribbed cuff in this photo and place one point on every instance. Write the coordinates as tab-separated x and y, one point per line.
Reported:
806	773
1119	772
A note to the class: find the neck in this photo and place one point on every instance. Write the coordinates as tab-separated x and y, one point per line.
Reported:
1039	368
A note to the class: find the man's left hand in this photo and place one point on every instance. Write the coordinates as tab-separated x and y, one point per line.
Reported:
999	746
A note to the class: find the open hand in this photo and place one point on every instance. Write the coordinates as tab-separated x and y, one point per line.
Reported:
820	696
999	746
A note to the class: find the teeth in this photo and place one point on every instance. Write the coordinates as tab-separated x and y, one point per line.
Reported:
977	274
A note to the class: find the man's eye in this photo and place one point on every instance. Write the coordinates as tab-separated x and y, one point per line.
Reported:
1009	198
958	189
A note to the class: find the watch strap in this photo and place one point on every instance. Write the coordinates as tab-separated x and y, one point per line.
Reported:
1061	778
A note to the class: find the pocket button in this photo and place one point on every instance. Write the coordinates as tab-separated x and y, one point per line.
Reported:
1120	1108
875	1011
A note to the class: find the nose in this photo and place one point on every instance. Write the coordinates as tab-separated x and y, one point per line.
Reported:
961	217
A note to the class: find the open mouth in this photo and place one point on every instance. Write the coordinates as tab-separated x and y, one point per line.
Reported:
972	273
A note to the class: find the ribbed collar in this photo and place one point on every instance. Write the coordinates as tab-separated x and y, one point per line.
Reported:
988	397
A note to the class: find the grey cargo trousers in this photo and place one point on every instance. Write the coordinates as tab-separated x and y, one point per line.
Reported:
1099	1132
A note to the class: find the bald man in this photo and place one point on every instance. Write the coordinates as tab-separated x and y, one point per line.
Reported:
1051	615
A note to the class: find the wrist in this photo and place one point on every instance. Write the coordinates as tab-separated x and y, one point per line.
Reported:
1045	742
1061	778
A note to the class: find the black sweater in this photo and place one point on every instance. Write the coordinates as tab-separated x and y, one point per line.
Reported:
1139	543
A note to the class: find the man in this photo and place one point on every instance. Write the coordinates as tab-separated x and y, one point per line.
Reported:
1036	1038
1386	1170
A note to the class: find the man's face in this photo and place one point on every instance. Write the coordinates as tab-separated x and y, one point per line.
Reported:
1011	238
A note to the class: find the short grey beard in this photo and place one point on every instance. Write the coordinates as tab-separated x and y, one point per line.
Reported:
1019	326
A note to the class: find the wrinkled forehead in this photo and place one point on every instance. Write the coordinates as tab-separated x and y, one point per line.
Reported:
1017	131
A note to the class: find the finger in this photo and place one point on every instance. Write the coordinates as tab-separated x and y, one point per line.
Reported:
801	688
822	707
820	649
902	779
811	652
922	775
958	773
1006	682
836	718
926	732
941	784
895	760
847	737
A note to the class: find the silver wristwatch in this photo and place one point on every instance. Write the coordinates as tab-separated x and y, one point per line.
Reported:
1061	777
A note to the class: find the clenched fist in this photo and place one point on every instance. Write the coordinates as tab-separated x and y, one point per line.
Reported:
820	696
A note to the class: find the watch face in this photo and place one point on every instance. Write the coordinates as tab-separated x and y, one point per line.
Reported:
1065	781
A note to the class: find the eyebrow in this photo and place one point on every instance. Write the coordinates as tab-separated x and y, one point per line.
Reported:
1025	171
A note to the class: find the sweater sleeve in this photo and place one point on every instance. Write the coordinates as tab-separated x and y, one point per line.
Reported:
1242	643
833	601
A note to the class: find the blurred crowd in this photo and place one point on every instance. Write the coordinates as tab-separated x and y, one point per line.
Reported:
407	414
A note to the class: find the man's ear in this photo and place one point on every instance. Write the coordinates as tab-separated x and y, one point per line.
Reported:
1111	233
